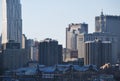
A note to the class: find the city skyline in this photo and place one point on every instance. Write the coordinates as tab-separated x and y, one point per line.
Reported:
50	18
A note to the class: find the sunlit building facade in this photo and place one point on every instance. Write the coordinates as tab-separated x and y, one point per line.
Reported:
71	34
11	21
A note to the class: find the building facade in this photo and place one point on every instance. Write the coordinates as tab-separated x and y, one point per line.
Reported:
11	21
71	34
50	52
34	53
106	29
98	52
32	47
113	38
70	55
14	58
24	38
107	23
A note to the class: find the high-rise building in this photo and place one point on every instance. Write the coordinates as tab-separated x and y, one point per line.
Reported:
11	21
106	29
113	38
71	34
110	24
72	31
98	52
29	45
34	51
60	54
50	52
107	23
32	47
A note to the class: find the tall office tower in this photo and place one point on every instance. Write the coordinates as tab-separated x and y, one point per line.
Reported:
29	46
71	34
98	52
34	51
81	45
107	23
113	38
11	21
50	52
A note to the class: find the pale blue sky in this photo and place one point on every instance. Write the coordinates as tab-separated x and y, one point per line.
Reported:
49	18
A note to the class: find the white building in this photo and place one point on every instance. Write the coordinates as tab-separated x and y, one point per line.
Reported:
71	34
11	21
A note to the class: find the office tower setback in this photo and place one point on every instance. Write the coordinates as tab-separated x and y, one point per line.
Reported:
50	52
71	34
98	52
11	21
107	23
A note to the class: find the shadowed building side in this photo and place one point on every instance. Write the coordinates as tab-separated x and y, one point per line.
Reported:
50	52
98	52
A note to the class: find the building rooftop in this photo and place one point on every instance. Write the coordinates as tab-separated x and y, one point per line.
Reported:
52	69
49	40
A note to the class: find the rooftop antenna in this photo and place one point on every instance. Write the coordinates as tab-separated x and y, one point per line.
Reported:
102	12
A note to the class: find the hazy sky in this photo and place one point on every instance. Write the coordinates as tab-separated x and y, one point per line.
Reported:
49	18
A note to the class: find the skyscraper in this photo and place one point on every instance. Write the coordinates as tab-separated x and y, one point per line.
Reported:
11	21
71	34
106	29
98	52
50	52
107	24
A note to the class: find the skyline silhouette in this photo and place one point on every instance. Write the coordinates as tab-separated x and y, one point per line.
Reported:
42	19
